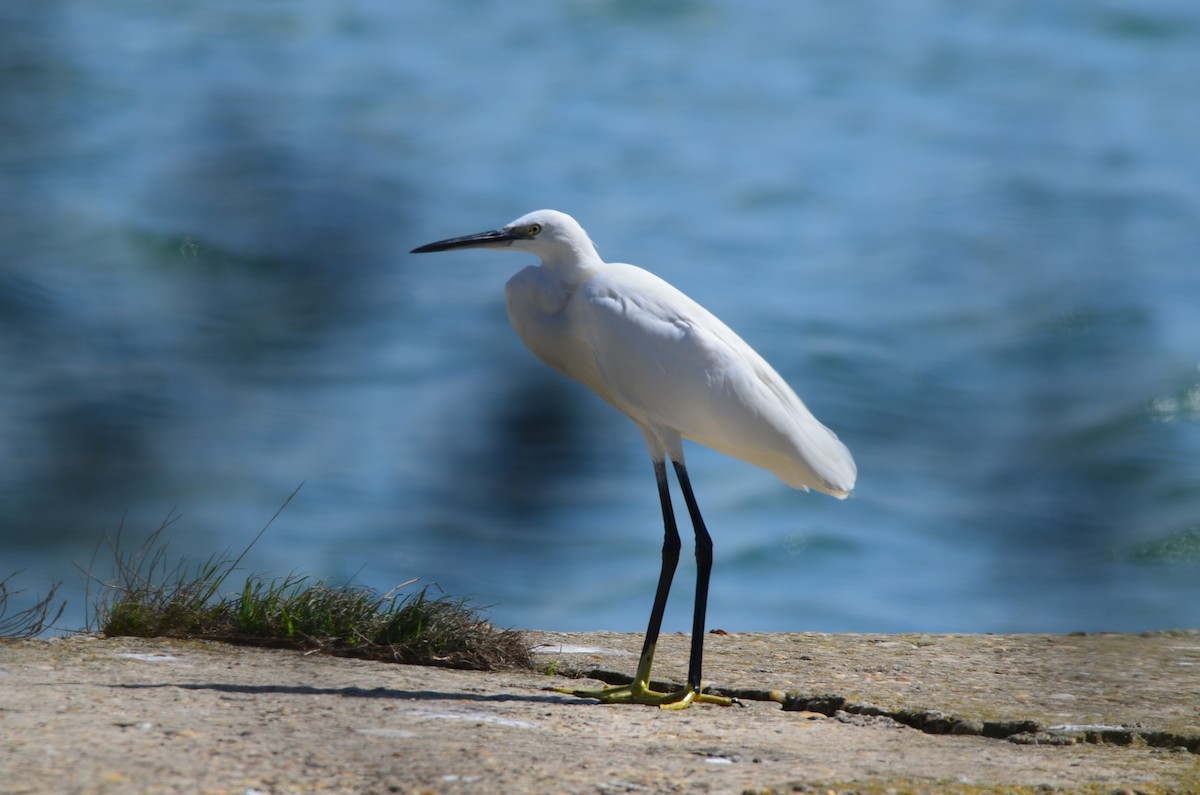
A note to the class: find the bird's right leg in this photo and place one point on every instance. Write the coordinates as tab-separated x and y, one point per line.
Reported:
670	559
639	691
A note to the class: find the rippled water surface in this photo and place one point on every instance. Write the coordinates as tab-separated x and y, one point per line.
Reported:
966	233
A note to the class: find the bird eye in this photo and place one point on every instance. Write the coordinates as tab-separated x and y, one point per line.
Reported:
533	229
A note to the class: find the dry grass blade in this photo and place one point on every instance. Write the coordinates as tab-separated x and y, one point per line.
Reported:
31	621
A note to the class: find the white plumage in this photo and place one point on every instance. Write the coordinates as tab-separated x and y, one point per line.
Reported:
673	368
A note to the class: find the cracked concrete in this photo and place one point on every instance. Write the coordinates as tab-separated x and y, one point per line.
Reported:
840	713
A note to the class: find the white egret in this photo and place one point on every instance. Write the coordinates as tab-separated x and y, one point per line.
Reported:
677	372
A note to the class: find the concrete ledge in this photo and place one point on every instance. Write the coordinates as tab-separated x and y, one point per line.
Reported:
860	713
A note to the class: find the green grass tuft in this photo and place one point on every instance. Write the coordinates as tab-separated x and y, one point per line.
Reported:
148	596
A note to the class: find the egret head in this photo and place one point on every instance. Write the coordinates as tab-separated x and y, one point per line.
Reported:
551	235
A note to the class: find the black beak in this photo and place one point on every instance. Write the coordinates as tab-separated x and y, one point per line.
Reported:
497	237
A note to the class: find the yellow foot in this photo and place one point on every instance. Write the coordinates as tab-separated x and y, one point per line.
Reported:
639	692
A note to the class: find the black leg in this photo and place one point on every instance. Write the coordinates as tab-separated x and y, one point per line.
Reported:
670	558
704	548
638	691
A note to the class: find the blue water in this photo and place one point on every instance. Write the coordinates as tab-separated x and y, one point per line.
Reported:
966	233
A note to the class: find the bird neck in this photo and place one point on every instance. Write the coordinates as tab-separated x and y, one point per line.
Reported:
573	264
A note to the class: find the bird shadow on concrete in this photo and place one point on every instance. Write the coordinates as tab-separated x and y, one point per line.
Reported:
358	692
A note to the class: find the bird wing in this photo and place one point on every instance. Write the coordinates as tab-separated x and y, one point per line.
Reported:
672	365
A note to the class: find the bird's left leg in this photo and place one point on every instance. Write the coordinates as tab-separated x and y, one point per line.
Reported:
704	547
